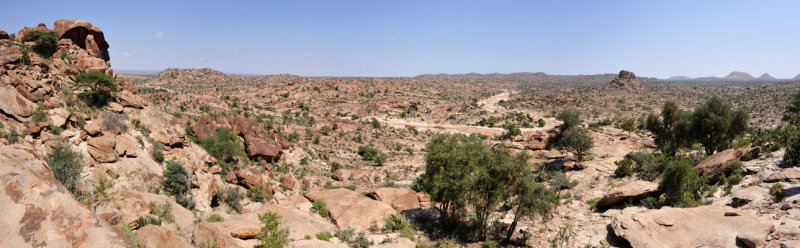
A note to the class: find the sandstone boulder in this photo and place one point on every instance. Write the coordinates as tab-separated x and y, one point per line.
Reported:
128	99
632	190
38	211
91	64
3	35
399	199
102	148
58	117
208	233
165	127
126	146
289	182
788	175
300	223
204	126
539	139
750	194
706	226
93	127
10	55
256	140
351	209
126	85
14	104
152	236
714	164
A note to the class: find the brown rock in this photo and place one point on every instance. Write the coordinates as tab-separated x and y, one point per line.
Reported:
250	177
231	178
14	104
337	175
102	148
204	126
300	223
289	182
399	199
632	190
3	35
58	116
787	175
256	140
208	233
707	226
165	127
35	128
351	209
124	84
91	64
39	211
126	146
626	80
714	164
539	139
83	34
128	99
10	55
116	107
93	127
152	236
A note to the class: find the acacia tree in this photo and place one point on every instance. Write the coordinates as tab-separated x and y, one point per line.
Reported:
98	87
672	131
577	141
716	125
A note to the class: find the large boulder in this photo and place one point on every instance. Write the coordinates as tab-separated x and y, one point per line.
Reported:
256	140
713	165
204	126
14	104
125	84
10	55
399	199
58	116
208	233
165	127
38	211
102	148
706	226
126	146
152	236
626	80
750	194
3	35
128	99
351	209
632	190
788	174
85	35
91	64
539	139
300	223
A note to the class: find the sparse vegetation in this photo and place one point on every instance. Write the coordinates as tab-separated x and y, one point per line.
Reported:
66	166
176	182
98	87
272	234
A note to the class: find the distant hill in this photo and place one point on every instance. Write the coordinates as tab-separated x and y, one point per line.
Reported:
796	77
679	78
737	75
766	77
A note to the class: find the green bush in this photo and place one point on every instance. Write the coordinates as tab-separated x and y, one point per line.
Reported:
225	147
163	211
733	173
215	218
39	115
98	87
157	151
777	192
319	206
792	153
255	194
132	235
66	166
46	42
176	182
345	235
361	241
681	186
577	141
624	168
272	234
325	236
371	154
232	197
541	122
511	130
570	119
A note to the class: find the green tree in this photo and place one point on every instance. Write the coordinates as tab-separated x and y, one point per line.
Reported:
716	125
792	154
672	131
176	182
66	166
570	119
792	114
628	124
577	141
529	199
46	42
98	87
681	186
272	234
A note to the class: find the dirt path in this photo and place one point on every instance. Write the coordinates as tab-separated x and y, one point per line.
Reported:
492	105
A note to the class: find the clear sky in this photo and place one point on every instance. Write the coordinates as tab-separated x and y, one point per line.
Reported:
407	38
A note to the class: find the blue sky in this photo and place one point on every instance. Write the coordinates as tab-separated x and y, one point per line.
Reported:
407	38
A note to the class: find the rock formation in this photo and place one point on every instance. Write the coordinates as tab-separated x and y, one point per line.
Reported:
626	80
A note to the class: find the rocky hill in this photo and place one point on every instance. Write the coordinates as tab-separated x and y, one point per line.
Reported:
199	158
737	75
766	77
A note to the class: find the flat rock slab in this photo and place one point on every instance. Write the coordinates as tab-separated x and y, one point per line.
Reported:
788	175
750	194
706	226
629	191
351	209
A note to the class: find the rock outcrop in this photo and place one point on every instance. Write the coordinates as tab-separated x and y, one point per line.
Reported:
152	236
706	226
14	104
400	199
38	211
258	142
787	175
632	190
351	209
714	164
102	148
85	35
165	127
626	80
